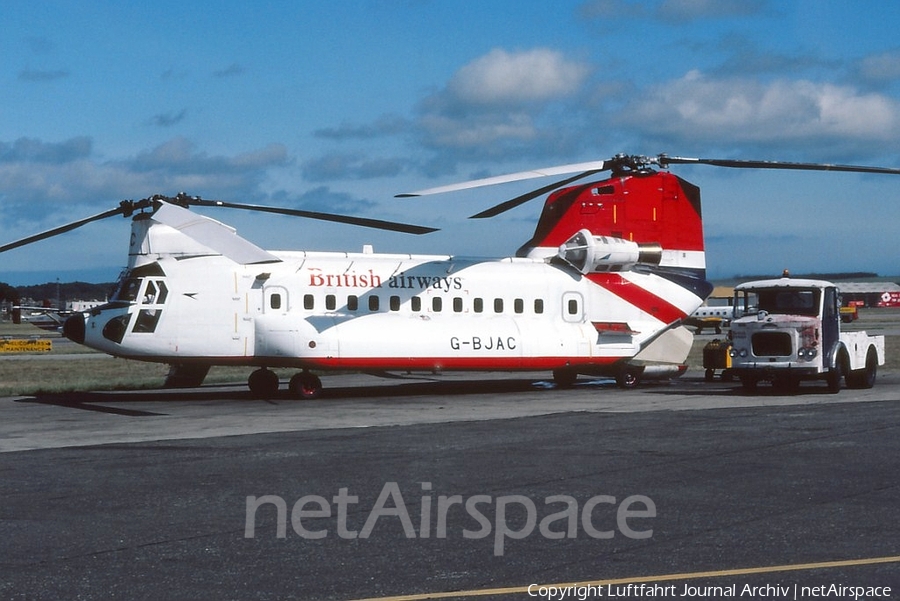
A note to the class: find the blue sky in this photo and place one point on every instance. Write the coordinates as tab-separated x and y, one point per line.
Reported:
339	106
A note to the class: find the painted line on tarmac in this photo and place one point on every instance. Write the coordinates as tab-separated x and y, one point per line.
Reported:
643	579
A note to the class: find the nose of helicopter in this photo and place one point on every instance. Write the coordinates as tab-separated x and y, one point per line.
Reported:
74	328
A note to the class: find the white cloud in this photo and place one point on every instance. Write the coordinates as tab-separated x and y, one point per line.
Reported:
750	110
444	132
36	174
502	77
879	68
689	10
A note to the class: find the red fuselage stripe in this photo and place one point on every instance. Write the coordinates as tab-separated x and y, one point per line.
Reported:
458	363
512	363
641	298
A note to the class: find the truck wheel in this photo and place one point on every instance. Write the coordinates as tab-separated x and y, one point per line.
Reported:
865	377
837	372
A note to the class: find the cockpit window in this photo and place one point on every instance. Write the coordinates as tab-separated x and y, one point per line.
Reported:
150	294
127	290
163	292
150	298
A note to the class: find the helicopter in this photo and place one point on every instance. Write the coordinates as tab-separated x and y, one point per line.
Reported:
602	288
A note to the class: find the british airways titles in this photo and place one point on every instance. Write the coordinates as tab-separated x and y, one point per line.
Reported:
370	279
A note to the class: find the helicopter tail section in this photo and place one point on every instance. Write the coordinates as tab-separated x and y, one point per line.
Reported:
650	219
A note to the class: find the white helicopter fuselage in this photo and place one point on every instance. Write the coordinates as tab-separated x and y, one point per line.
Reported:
382	312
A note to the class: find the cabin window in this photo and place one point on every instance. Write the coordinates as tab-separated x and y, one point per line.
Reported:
309	302
275	301
478	305
457	304
519	305
395	303
538	305
572	307
330	302
437	304
353	303
415	303
374	303
498	305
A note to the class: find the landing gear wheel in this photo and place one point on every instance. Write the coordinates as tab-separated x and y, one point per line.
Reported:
263	383
305	385
564	378
628	376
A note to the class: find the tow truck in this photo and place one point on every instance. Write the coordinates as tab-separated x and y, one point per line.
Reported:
788	330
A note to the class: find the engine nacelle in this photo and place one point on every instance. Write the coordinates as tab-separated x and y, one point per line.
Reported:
588	253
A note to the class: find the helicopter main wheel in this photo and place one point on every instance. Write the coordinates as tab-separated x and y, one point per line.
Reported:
629	376
305	385
263	383
565	378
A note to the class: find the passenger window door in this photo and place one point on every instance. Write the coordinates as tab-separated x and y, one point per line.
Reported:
572	307
275	299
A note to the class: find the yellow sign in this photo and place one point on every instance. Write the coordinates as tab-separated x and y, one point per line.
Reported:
23	345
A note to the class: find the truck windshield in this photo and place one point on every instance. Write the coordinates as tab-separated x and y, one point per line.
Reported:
792	301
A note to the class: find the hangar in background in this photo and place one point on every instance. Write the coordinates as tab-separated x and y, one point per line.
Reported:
870	294
860	294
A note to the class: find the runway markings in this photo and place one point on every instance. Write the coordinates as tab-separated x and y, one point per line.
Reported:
644	579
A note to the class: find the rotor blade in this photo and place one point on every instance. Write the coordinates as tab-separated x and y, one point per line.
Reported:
513	203
213	234
61	229
362	221
592	166
747	164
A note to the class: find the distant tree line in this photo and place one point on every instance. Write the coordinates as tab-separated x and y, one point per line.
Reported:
851	275
67	291
8	293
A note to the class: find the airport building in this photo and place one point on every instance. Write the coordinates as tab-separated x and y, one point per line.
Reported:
870	294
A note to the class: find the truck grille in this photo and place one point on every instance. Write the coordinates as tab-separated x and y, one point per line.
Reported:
773	344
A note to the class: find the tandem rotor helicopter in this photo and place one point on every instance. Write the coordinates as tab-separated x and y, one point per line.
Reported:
612	270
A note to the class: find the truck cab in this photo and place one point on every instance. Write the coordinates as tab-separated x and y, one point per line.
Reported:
788	330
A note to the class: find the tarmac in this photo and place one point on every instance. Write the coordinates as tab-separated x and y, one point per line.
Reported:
453	487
